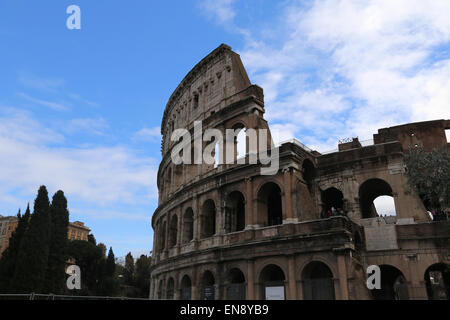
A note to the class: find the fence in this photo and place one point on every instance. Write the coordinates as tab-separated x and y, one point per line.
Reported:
37	296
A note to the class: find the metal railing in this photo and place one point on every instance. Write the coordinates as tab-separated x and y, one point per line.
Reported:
38	296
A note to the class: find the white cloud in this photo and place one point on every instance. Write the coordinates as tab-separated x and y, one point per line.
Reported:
40	83
347	68
58	106
89	125
100	175
148	134
219	10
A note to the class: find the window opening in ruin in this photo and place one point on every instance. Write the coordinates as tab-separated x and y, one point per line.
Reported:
309	173
269	202
236	286
371	190
173	231
333	203
235	212
186	285
447	135
188	225
272	282
318	283
208	290
170	289
437	280
393	285
384	206
241	141
216	155
196	99
163	236
208	219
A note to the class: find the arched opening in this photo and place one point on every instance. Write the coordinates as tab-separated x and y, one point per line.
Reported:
163	236
241	143
186	288
160	290
333	202
168	180
208	219
188	225
170	289
235	212
269	204
217	155
384	206
208	288
173	231
318	283
437	280
236	285
309	173
393	285
371	190
272	283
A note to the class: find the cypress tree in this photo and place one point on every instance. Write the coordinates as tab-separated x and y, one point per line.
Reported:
9	257
31	265
55	274
110	264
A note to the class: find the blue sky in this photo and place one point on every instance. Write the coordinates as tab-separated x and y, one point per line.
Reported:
80	110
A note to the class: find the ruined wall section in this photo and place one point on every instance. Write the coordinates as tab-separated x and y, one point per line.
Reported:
427	134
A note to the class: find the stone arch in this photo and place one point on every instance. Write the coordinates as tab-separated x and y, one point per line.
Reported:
235	212
272	282
393	284
208	286
188	225
208	219
170	292
236	284
318	281
270	207
173	231
368	192
186	288
437	281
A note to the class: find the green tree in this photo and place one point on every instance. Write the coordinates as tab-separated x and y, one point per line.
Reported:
32	259
429	176
56	275
129	270
88	257
143	275
9	257
91	239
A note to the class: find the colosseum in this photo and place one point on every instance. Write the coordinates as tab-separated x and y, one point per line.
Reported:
309	231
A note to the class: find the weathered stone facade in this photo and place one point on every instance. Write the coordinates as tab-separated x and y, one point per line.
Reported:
228	232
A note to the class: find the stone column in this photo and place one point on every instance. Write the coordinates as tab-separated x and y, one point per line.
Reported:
179	230
197	217
342	270
291	279
288	216
176	287
249	222
250	280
